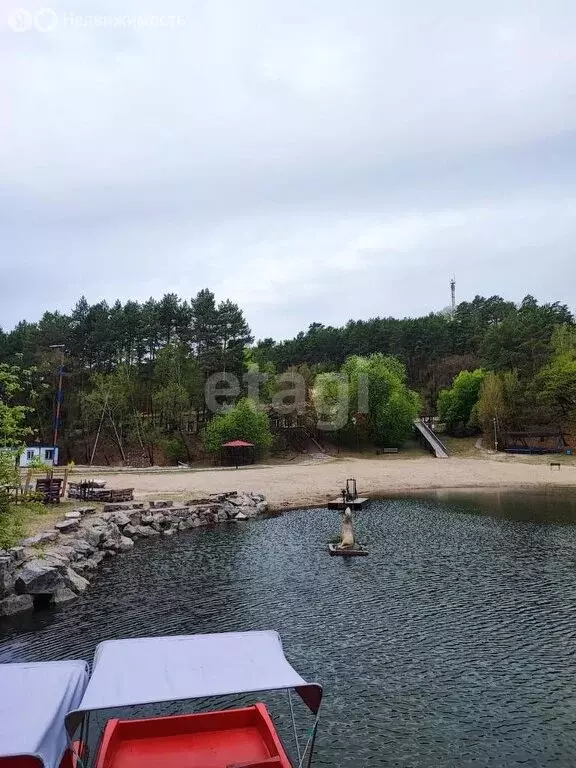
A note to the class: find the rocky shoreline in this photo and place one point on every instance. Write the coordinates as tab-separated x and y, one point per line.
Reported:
52	567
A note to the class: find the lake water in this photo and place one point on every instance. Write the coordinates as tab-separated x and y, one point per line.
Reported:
452	644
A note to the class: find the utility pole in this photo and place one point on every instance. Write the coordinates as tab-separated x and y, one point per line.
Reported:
453	294
495	434
59	394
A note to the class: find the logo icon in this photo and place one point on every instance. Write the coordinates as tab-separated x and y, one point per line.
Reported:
45	20
20	20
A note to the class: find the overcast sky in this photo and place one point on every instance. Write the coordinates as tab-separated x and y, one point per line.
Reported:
313	160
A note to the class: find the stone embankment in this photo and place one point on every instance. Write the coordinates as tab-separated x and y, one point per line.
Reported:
54	566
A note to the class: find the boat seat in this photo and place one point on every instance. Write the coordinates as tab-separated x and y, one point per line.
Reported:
270	762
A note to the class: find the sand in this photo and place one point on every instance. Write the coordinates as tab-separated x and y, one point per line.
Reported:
311	484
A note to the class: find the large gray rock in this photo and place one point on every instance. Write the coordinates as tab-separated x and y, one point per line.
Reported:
94	535
39	577
147	518
135	517
146	530
75	582
16	604
6	575
46	537
125	544
17	553
85	510
64	595
67	526
241	516
63	553
73	515
112	537
159	521
129	530
82	547
120	519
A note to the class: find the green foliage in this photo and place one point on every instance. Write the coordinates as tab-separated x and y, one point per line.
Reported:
152	360
242	422
457	406
368	401
13	428
555	389
174	449
12	525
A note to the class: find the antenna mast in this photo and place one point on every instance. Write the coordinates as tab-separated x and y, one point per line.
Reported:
453	294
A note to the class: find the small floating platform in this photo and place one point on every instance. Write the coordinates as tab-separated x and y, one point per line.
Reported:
357	551
353	503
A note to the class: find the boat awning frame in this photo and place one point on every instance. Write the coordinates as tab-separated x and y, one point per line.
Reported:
34	700
152	670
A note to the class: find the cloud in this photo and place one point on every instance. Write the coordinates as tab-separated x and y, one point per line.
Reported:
316	160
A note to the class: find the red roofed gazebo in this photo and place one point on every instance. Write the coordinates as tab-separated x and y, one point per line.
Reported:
237	452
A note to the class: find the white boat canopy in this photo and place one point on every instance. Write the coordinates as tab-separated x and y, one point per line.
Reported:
34	699
157	669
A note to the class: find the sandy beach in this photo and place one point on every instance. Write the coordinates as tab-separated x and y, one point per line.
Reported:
310	484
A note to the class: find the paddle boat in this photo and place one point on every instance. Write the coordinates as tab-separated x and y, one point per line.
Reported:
34	699
133	672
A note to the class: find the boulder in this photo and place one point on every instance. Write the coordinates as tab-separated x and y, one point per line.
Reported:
125	544
6	575
97	557
67	526
129	530
120	519
94	535
16	604
39	577
169	532
82	547
63	553
73	515
146	530
147	518
63	595
17	553
46	537
112	537
85	510
135	518
75	582
241	516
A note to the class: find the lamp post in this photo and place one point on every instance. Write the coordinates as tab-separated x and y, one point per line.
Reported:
59	395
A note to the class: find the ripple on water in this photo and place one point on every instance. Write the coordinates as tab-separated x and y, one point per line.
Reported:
451	645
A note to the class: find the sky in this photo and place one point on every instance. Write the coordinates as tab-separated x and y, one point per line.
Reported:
312	160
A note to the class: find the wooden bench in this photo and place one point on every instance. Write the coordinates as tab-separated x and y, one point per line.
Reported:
555	465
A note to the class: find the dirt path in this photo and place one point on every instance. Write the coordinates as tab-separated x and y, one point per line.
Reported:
309	484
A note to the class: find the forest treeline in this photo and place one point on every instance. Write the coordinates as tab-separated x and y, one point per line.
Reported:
137	369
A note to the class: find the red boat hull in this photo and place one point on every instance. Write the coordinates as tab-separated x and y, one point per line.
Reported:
232	738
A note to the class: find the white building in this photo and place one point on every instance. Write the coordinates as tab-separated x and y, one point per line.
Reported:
47	454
